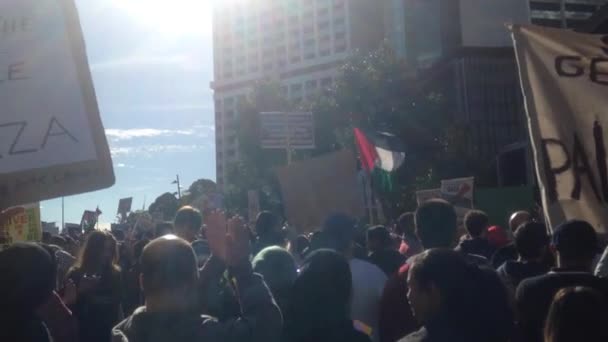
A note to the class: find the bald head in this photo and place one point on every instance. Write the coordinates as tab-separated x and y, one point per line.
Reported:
168	265
518	218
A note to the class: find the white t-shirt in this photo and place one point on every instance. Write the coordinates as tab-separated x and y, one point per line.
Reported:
368	285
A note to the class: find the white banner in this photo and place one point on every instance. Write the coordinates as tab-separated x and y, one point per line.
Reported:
52	141
564	77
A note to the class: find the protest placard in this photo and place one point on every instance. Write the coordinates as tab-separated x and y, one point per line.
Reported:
283	130
52	141
25	226
124	205
423	196
315	188
564	77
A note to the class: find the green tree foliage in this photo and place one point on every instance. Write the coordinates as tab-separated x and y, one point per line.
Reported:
197	189
255	171
166	204
373	91
376	92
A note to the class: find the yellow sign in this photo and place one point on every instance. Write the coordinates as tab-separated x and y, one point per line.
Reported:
25	226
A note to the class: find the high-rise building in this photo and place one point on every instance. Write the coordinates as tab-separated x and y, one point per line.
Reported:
299	43
571	14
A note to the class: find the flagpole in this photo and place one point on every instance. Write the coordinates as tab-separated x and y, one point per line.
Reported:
62	213
179	191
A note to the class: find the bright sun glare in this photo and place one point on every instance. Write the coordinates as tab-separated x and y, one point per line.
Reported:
171	17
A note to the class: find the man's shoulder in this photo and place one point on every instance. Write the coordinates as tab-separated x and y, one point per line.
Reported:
548	282
367	269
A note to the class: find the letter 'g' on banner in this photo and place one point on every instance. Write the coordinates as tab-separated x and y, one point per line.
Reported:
564	78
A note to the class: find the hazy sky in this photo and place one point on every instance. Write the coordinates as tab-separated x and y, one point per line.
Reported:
151	62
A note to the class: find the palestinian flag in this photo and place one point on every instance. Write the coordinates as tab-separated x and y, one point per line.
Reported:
381	154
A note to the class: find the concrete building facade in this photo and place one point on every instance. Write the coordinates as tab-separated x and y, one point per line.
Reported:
299	43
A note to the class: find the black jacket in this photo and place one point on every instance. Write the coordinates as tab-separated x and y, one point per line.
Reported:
514	272
476	246
534	297
260	320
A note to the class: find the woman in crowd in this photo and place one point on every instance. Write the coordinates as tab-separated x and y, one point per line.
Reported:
456	301
577	314
320	305
99	292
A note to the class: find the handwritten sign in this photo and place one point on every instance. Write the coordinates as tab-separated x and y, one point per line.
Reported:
564	77
24	226
52	141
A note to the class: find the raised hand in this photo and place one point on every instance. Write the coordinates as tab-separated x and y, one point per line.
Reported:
216	234
238	242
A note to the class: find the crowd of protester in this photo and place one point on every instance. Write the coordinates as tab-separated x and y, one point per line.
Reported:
217	279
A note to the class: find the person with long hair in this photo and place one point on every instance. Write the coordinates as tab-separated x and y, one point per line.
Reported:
576	314
97	277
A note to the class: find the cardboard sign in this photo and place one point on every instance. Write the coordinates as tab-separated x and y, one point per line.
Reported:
52	142
25	226
124	205
315	188
564	77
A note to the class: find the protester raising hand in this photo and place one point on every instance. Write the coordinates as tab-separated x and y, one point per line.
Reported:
216	234
237	243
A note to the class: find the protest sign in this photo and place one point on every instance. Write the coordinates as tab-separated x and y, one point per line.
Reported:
283	130
124	205
459	192
564	77
25	226
423	196
315	188
52	142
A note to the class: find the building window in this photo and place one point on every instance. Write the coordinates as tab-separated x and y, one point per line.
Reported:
326	82
324	25
324	53
310	55
312	84
340	48
340	35
231	153
295	59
